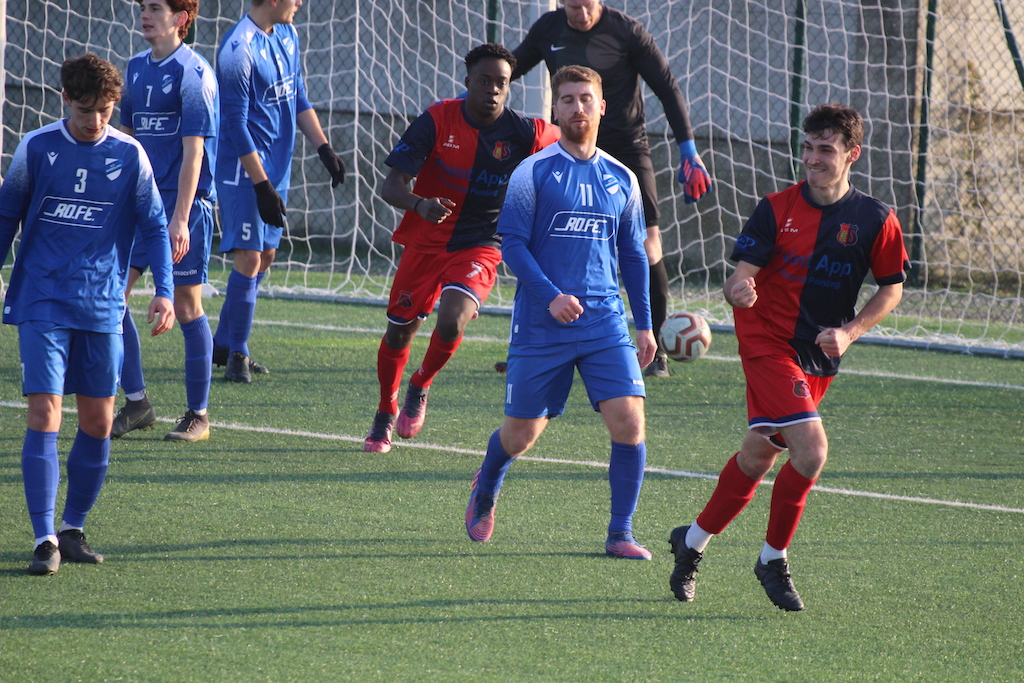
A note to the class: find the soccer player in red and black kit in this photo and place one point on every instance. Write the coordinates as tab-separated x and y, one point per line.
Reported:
585	33
461	153
801	260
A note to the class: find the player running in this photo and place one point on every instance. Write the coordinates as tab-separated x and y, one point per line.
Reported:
81	191
572	218
460	153
263	101
170	106
617	46
801	260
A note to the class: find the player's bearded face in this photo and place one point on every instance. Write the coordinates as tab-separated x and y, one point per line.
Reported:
579	109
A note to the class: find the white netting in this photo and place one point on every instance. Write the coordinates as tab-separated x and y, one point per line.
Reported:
749	69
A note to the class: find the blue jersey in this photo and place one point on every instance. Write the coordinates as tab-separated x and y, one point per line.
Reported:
167	100
79	205
261	92
581	221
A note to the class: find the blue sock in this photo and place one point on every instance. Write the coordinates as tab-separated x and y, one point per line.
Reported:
87	468
625	475
496	464
222	337
132	380
198	357
241	297
40	470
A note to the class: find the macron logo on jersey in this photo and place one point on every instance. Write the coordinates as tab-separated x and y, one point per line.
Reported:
75	213
581	225
51	157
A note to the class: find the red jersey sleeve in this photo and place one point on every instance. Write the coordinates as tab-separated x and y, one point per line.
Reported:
547	134
889	260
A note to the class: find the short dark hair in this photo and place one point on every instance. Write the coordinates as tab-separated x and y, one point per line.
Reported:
489	51
838	118
89	78
576	74
191	7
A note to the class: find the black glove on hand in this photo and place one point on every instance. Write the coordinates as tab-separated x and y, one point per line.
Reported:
270	204
333	163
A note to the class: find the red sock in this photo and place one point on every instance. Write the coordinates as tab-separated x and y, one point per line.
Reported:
390	364
788	498
438	354
732	494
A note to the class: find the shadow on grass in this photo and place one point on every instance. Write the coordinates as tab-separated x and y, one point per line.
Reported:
370	614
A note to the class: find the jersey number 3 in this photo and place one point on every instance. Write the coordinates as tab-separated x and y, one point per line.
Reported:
80	185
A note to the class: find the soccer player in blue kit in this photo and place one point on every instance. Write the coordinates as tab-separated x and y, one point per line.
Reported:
617	46
80	190
572	215
170	106
263	101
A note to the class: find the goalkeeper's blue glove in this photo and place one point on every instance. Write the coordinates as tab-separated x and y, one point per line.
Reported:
692	176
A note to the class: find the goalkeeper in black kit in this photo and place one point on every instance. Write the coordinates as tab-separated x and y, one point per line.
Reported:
585	33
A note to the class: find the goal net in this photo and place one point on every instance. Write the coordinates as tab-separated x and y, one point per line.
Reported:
940	83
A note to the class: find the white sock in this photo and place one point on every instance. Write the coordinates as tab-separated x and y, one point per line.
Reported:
43	539
64	526
697	538
769	553
136	395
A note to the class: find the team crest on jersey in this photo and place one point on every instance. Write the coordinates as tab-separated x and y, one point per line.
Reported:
289	47
404	299
847	234
113	168
502	150
166	83
800	388
611	183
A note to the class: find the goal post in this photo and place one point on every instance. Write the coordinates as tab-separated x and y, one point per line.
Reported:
939	83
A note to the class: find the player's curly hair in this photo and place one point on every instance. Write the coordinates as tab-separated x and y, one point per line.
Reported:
489	51
190	7
577	74
89	78
838	118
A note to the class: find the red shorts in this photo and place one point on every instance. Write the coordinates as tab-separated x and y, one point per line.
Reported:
780	393
421	277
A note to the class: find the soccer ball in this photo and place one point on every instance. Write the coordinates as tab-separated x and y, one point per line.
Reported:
685	337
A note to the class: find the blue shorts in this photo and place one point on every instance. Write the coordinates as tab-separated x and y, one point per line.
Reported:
60	360
540	376
240	224
194	268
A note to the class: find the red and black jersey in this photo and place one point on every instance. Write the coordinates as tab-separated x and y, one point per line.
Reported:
813	261
620	49
452	158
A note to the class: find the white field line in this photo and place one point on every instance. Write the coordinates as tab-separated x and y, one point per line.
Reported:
582	463
867	373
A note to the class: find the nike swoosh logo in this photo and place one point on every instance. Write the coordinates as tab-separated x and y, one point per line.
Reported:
556	48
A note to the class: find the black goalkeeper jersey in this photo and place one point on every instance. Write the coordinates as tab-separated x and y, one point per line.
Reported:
622	51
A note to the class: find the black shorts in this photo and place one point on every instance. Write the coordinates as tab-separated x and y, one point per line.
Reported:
637	159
